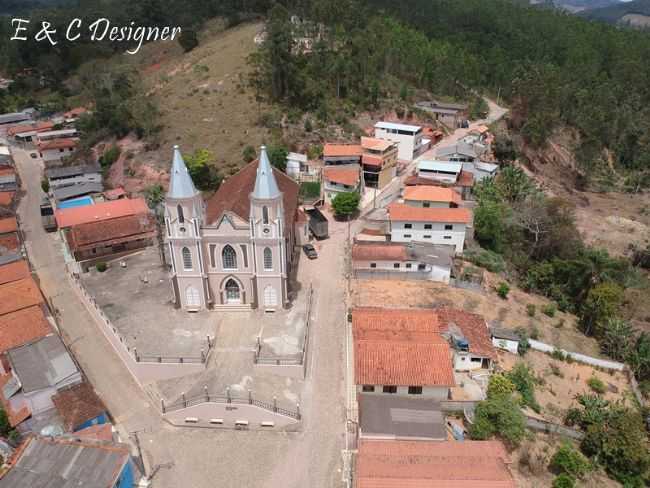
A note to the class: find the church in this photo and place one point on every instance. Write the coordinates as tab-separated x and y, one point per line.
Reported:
235	250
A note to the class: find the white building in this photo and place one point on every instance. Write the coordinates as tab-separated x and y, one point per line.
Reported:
341	179
505	339
443	171
409	138
296	164
432	225
481	170
470	340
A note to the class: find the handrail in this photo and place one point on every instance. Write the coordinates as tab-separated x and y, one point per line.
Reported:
183	403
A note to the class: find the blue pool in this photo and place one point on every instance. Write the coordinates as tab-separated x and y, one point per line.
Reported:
76	202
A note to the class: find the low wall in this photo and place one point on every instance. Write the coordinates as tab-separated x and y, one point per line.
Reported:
581	358
142	372
296	371
552	428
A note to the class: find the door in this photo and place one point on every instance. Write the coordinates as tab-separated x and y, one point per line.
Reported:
192	297
270	297
233	293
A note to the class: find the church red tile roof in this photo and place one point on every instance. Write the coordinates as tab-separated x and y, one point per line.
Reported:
233	195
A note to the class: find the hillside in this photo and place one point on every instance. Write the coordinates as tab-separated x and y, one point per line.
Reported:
635	13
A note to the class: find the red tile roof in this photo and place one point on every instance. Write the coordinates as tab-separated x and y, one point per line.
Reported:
376	144
18	295
342	150
15	416
400	347
7	170
432	464
8	225
111	232
100	212
99	432
472	326
75	112
233	195
375	251
115	193
58	144
22	327
9	243
406	213
372	160
14	271
38	127
77	405
342	176
7	198
432	194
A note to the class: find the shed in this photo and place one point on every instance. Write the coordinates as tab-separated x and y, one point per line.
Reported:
505	339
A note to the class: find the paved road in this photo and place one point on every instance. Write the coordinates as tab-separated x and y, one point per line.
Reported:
196	458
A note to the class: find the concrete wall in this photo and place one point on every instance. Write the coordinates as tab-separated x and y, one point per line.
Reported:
51	155
443	177
506	344
420	204
467	362
582	358
433	392
436	235
435	273
228	413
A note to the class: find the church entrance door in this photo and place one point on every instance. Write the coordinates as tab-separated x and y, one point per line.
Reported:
233	293
270	297
192	297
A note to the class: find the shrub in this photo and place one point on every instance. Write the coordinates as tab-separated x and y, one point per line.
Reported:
154	194
499	416
568	460
188	39
500	384
503	289
530	309
308	125
310	189
564	481
549	309
345	203
597	385
559	355
101	267
522	377
487	259
110	156
45	185
249	153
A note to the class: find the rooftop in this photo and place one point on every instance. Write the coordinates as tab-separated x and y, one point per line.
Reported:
342	175
459	148
9	244
58	133
441	255
9	224
36	127
340	150
395	126
432	194
376	144
113	232
57	144
81	189
472	326
406	213
78	404
42	364
100	212
68	171
435	464
14	271
446	166
6	198
67	462
19	294
22	327
392	417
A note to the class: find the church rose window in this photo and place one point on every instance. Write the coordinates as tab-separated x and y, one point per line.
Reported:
229	258
187	258
268	258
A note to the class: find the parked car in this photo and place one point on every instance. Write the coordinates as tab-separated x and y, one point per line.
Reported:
310	251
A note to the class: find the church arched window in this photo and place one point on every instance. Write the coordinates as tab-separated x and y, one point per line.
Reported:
265	215
181	217
229	258
268	259
187	259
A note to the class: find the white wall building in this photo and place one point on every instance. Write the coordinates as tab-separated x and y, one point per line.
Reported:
409	138
443	171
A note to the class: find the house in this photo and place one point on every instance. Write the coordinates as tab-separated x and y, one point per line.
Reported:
443	171
72	115
341	179
460	152
53	135
409	138
72	175
5	155
233	252
481	170
469	336
91	242
400	352
446	226
79	407
400	418
57	150
14	117
429	464
381	260
21	327
431	197
70	461
334	154
102	211
298	166
379	161
40	369
450	114
10	245
65	193
28	132
505	339
8	180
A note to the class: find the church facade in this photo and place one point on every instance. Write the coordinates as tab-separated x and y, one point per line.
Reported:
235	250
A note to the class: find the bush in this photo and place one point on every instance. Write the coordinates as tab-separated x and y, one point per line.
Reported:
308	125
346	203
524	381
45	185
249	153
569	461
310	189
487	259
564	481
500	384
110	156
530	310
597	385
101	267
549	309
499	416
503	289
188	39
154	195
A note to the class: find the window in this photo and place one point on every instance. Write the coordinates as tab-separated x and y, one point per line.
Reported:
368	388
476	360
187	259
407	236
396	265
422	267
408	226
390	389
181	217
229	258
213	250
409	265
244	251
373	265
447	237
427	237
268	259
415	390
427	226
426	204
265	215
449	227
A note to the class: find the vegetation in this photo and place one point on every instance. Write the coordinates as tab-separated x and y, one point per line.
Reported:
188	39
487	259
564	480
202	170
154	194
522	378
345	203
101	266
111	155
249	154
309	190
614	437
530	309
503	289
549	310
597	385
45	184
278	156
569	464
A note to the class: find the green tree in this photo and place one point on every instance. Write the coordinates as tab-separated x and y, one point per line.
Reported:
570	461
45	184
503	149
500	384
524	380
345	203
617	338
203	172
154	195
499	416
278	156
564	480
602	303
188	39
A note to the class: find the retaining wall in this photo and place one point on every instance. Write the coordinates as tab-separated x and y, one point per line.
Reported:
582	358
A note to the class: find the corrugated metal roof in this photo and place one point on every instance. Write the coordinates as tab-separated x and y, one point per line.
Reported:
393	125
69	171
449	166
79	190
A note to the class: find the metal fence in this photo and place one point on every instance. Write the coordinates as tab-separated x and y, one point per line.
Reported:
272	406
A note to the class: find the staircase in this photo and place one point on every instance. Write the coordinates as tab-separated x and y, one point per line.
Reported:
246	307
